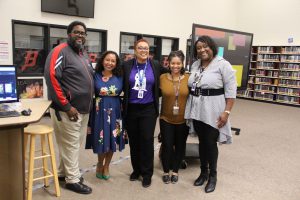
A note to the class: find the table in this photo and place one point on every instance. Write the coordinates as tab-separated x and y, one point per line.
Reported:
12	161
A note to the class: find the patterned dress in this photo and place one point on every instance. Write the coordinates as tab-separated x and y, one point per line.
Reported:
105	118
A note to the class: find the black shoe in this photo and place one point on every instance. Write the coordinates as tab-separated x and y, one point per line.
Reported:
63	179
166	178
174	178
134	176
79	188
201	179
211	184
146	182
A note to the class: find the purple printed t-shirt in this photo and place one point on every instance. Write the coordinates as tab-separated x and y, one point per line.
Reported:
146	80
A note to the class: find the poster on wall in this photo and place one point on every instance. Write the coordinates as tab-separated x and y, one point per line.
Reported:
31	88
234	46
4	53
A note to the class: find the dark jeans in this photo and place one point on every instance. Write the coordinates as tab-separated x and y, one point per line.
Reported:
140	124
208	149
173	144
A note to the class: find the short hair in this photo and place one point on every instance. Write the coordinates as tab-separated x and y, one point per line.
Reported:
140	40
178	54
210	43
117	71
75	23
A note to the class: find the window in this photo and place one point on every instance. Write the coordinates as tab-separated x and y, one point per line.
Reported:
160	46
29	49
33	42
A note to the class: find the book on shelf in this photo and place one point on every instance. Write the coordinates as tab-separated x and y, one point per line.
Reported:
274	74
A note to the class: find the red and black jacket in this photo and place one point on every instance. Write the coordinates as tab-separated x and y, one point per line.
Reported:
69	78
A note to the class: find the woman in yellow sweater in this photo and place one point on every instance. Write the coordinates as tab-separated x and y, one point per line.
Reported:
174	89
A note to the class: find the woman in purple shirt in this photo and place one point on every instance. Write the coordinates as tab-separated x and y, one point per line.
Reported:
141	100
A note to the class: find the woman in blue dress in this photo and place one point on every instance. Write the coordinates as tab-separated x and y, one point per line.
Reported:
105	133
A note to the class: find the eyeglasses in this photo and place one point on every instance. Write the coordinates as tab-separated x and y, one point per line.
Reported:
79	33
143	48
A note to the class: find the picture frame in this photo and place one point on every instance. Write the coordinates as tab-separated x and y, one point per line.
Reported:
31	88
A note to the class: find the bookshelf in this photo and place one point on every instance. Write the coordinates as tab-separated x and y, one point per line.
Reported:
274	75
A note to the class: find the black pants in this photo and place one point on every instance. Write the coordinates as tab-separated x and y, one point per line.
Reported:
173	144
208	149
140	125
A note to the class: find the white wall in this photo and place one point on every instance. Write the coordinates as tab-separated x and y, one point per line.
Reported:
272	22
173	18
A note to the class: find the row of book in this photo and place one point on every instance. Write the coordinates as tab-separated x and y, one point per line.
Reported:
290	58
268	57
274	49
270	96
289	66
290	50
289	74
275	66
261	72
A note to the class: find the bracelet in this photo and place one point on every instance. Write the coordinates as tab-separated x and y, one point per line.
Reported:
227	111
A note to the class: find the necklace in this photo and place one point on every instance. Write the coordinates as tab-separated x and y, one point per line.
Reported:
105	78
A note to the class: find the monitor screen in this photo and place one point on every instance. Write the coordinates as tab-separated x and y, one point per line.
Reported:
82	8
8	84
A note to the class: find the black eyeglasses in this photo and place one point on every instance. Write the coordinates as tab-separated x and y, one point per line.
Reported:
79	33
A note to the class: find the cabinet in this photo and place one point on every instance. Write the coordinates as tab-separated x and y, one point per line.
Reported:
274	75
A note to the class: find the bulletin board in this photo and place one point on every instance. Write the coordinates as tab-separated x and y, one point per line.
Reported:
234	46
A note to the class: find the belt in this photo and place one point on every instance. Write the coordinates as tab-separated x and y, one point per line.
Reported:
206	92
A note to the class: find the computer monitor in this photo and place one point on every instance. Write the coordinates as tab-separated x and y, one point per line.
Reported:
8	84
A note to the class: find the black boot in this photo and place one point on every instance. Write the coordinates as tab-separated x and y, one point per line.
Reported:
211	184
201	179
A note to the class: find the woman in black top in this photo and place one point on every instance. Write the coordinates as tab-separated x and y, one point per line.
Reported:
141	100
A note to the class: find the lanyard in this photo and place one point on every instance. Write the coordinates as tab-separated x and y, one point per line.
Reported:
176	89
141	77
197	78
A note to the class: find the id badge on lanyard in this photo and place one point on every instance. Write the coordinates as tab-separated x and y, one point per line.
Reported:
141	94
141	81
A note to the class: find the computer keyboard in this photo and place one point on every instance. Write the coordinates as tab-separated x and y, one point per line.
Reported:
9	114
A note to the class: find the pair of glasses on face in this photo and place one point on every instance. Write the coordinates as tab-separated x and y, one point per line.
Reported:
143	48
79	33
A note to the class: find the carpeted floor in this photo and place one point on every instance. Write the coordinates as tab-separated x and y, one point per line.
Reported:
262	163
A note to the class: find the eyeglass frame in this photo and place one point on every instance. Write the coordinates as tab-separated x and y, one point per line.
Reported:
79	33
142	48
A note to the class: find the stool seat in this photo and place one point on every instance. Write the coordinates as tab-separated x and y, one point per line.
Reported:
45	133
38	129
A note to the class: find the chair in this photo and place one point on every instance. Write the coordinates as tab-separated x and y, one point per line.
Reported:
30	133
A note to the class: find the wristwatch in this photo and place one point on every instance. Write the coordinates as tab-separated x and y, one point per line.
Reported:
227	111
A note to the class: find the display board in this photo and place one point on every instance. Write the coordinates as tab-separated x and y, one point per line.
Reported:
234	46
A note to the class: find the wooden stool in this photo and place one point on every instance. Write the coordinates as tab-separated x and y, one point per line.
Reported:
44	131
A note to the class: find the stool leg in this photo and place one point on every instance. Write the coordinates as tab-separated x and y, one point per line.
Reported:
25	156
53	164
31	166
25	145
45	163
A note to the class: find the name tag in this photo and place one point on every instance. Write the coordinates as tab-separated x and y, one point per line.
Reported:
141	94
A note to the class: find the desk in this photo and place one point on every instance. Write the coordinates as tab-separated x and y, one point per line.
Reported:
12	162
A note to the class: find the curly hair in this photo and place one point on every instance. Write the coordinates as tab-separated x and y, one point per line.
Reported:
117	71
75	23
210	43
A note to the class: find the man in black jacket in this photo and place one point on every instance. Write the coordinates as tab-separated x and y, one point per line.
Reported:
69	78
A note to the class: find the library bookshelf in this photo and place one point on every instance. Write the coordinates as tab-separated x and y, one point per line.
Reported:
274	75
